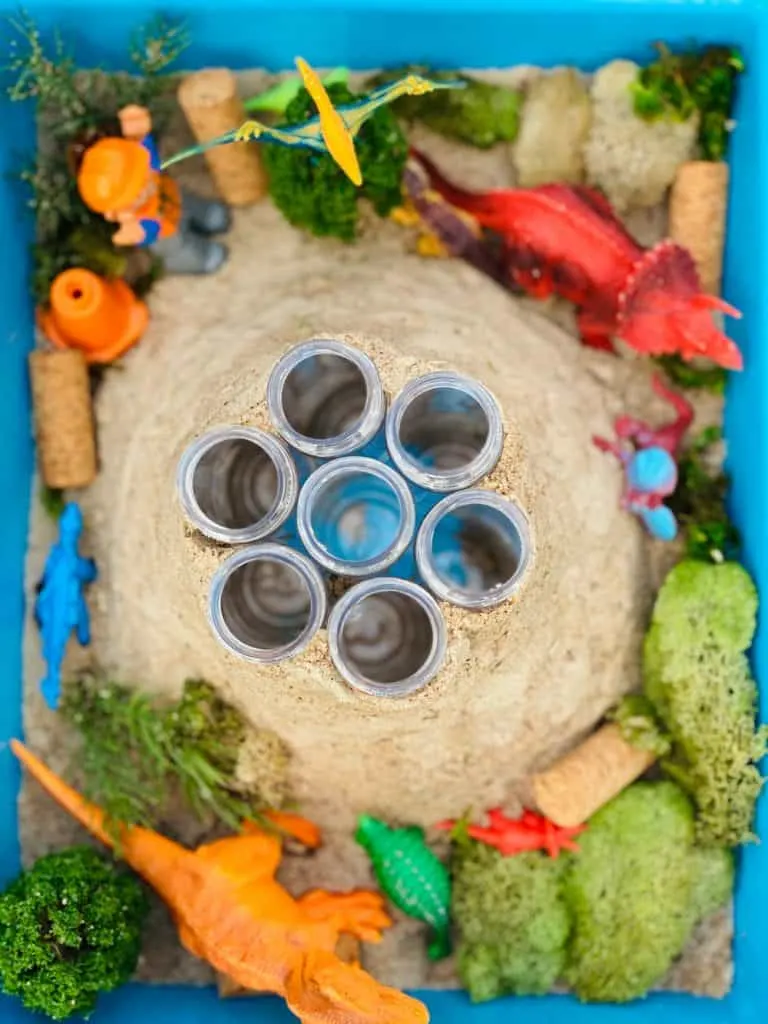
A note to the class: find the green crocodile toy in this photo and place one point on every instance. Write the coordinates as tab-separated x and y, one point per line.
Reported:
411	876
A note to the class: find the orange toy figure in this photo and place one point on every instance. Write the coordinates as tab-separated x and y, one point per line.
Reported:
101	318
120	178
230	911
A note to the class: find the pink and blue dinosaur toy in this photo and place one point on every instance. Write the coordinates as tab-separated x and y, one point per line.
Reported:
648	455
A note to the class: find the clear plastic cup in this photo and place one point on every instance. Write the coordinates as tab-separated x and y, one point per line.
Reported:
325	398
474	549
266	602
355	516
237	485
387	637
444	431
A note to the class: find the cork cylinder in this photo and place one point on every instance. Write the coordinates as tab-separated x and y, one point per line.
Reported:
61	396
697	211
212	107
583	781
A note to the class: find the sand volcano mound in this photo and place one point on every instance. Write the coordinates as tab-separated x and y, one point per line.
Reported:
520	681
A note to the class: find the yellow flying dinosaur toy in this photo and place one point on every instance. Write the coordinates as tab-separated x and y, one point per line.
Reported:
333	130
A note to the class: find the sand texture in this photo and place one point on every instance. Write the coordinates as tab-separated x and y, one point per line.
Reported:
521	684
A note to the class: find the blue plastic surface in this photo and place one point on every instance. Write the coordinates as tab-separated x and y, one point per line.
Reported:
366	33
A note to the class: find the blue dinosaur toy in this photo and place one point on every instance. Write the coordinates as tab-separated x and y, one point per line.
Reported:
60	605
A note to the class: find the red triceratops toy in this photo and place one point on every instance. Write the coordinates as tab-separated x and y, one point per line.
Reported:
517	835
566	240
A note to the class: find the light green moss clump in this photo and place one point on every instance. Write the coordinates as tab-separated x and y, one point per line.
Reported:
636	718
698	678
636	890
513	924
481	114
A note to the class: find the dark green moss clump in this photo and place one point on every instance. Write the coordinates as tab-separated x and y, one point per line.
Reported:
135	755
678	85
699	503
70	928
481	114
313	193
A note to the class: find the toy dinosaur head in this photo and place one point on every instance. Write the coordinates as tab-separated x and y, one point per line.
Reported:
663	311
322	989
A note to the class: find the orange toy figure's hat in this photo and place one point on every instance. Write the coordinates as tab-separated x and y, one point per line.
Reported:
101	318
113	174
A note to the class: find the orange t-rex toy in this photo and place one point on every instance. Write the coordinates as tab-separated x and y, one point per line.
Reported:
230	910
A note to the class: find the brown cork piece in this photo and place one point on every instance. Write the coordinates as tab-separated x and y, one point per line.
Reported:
588	777
697	210
212	107
61	396
347	949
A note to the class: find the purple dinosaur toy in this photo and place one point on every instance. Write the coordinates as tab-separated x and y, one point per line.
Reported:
648	455
60	605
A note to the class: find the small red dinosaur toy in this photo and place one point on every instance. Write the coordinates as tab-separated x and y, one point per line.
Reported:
517	835
566	240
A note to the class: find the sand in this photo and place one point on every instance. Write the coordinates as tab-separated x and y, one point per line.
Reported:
521	684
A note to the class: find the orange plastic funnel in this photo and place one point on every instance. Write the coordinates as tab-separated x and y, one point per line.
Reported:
101	317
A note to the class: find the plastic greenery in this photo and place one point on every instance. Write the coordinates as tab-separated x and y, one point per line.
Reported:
685	375
70	928
75	108
677	85
698	678
699	502
134	755
636	718
512	922
480	114
314	194
636	890
52	501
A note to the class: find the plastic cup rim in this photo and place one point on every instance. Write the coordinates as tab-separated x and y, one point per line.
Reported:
432	664
354	437
443	590
326	474
445	481
282	506
277	553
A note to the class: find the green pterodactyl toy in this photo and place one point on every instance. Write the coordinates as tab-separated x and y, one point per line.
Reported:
334	129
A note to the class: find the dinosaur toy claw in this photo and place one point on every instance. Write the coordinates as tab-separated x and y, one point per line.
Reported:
248	130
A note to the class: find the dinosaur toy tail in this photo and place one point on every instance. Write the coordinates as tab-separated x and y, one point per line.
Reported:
202	147
158	860
89	815
483	206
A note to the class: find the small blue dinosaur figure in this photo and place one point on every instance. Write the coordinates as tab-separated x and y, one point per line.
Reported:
60	605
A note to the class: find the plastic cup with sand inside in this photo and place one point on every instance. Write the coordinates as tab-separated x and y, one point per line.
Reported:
474	549
238	485
325	399
266	602
356	516
387	637
444	431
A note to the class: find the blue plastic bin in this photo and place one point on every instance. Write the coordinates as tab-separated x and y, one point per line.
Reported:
367	33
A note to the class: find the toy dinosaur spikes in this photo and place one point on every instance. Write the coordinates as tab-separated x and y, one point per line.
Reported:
231	911
333	130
